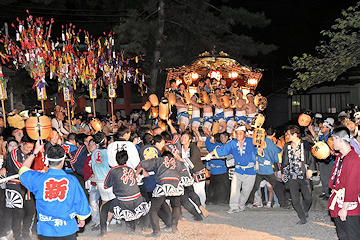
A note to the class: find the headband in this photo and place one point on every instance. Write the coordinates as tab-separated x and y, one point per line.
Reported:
242	128
53	160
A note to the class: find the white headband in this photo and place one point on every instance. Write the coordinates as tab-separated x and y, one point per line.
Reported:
242	128
53	160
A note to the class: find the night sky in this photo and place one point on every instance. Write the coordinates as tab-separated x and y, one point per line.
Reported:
295	29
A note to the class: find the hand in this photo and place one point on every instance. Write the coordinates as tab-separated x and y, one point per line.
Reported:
208	157
282	177
38	146
342	214
145	173
81	223
309	173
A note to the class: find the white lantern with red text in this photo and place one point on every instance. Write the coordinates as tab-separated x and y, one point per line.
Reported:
215	74
233	75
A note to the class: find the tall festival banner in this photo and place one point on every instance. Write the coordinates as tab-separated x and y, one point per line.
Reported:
93	96
3	94
67	99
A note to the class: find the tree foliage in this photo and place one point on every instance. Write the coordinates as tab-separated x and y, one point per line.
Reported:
191	27
335	56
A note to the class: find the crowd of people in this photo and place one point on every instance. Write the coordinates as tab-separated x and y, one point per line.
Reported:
128	170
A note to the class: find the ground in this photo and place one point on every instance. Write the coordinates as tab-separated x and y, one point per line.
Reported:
260	223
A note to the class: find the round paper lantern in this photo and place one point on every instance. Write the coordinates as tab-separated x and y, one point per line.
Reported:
146	106
194	76
215	74
304	120
233	74
16	121
213	98
204	98
32	127
96	124
153	99
320	150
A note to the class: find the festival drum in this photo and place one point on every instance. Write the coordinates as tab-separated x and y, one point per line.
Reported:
172	98
146	106
204	98
258	137
96	124
213	99
320	150
32	127
304	120
164	109
257	121
186	98
153	99
215	127
154	112
224	101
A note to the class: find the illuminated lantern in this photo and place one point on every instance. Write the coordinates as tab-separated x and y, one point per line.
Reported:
32	127
224	101
164	110
154	112
96	124
194	76
258	136
320	150
257	121
146	106
215	74
252	82
172	98
204	98
213	99
162	125
178	81
304	120
153	100
233	75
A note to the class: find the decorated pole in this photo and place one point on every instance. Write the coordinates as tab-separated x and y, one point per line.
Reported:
92	91
67	99
3	95
112	96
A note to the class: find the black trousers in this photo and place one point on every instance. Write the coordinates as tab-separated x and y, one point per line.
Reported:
156	204
4	214
349	229
259	177
325	174
218	191
303	185
189	194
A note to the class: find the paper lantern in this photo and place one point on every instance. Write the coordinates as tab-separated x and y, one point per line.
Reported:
215	127
96	124
258	136
32	127
16	121
233	74
215	74
146	106
162	125
153	99
213	99
257	121
304	120
194	76
252	82
164	109
154	112
204	98
320	150
172	98
224	101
